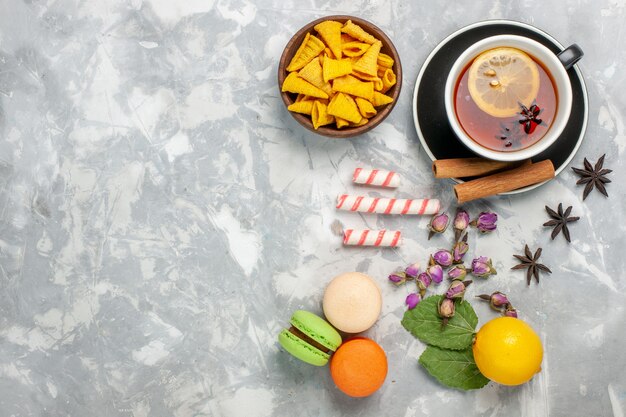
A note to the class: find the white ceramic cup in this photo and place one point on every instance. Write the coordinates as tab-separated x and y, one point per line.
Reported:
556	66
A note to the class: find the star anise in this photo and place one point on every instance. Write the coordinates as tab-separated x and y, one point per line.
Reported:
593	176
560	220
530	117
530	261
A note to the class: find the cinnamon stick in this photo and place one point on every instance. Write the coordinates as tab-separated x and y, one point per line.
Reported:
504	181
471	167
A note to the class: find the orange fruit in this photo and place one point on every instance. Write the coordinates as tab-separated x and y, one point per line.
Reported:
359	367
507	351
501	78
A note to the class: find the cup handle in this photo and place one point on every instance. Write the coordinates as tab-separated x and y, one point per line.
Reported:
570	55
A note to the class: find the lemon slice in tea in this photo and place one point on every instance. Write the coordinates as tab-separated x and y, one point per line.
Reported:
500	79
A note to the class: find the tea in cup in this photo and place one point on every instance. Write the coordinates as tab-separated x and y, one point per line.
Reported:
508	97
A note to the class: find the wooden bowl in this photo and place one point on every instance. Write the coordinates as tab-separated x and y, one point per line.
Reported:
331	130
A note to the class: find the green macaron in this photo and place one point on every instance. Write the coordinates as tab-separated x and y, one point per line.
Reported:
310	338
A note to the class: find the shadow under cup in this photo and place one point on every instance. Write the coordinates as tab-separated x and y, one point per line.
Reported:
556	67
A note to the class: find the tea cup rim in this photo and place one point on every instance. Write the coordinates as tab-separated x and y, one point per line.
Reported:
559	76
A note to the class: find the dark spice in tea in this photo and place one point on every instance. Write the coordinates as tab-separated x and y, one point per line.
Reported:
530	118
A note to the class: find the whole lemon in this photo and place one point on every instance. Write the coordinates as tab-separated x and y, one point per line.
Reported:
507	351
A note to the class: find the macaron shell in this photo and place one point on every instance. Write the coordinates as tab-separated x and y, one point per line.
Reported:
316	328
359	367
302	350
352	302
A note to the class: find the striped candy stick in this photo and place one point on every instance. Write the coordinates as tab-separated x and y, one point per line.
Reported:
378	177
367	237
387	205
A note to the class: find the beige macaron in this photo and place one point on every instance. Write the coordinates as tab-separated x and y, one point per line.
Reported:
352	302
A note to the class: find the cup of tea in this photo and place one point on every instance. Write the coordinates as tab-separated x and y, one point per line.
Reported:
508	97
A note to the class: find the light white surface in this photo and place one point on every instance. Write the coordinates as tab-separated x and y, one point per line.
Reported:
162	215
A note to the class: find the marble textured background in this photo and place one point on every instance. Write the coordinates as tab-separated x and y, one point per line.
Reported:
161	215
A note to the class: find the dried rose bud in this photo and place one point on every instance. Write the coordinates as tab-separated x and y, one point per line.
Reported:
442	257
397	278
486	222
459	251
436	273
412	300
446	308
461	221
481	267
438	224
510	311
497	300
423	280
457	272
412	270
457	289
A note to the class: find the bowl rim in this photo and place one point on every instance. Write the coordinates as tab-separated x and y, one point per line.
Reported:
350	131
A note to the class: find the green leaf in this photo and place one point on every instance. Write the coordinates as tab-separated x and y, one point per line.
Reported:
453	368
425	324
